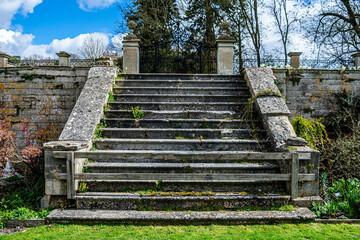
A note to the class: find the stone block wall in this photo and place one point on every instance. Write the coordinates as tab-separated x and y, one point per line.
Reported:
45	96
310	92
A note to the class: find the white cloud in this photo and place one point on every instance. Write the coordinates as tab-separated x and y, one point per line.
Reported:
8	8
18	44
88	5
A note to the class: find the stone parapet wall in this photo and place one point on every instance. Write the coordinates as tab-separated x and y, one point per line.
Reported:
45	96
310	92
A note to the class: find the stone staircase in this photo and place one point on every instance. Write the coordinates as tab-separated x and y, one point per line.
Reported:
186	152
191	150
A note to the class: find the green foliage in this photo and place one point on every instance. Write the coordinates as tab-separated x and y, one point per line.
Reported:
137	113
313	131
155	19
341	157
341	199
111	97
344	117
98	133
22	213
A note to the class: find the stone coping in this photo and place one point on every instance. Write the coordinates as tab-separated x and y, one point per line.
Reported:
89	107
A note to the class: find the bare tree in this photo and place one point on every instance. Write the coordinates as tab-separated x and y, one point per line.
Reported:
284	20
249	9
93	47
338	29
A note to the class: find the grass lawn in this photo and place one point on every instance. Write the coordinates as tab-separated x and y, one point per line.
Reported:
279	231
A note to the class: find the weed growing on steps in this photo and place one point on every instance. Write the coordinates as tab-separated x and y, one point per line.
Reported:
99	129
136	112
111	97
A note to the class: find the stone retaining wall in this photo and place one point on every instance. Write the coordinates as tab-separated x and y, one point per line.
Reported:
309	92
43	95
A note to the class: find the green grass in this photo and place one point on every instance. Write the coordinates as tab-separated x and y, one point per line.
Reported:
279	231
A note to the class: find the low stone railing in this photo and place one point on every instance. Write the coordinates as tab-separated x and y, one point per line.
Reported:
274	112
77	133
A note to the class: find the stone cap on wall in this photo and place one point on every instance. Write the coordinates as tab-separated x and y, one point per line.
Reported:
89	107
4	55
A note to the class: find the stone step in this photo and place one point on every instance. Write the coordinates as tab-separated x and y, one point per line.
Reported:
184	186
209	106
182	90
176	144
193	201
180	83
190	114
101	167
180	123
169	76
143	156
169	133
155	98
91	217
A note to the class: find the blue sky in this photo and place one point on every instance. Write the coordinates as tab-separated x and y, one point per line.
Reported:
45	27
59	19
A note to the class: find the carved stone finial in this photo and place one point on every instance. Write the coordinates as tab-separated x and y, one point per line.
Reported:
224	26
131	36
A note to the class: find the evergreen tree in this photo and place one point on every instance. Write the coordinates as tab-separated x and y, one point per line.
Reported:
203	16
155	19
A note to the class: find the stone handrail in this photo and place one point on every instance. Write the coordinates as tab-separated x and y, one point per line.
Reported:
78	132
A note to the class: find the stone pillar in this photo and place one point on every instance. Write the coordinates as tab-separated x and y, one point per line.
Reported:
295	59
356	57
225	51
63	58
131	58
4	59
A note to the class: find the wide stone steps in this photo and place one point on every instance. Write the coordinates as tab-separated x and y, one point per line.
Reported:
180	83
173	201
209	106
101	167
169	133
179	123
162	98
153	156
181	114
181	144
184	185
81	216
182	90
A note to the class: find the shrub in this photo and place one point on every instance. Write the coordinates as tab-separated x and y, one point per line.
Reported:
346	114
313	131
340	158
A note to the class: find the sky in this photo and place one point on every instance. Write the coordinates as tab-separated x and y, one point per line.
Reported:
44	27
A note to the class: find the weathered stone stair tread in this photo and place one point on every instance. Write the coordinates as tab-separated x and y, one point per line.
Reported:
182	217
155	98
182	166
190	76
179	195
179	155
232	89
217	106
179	144
178	123
166	133
164	114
